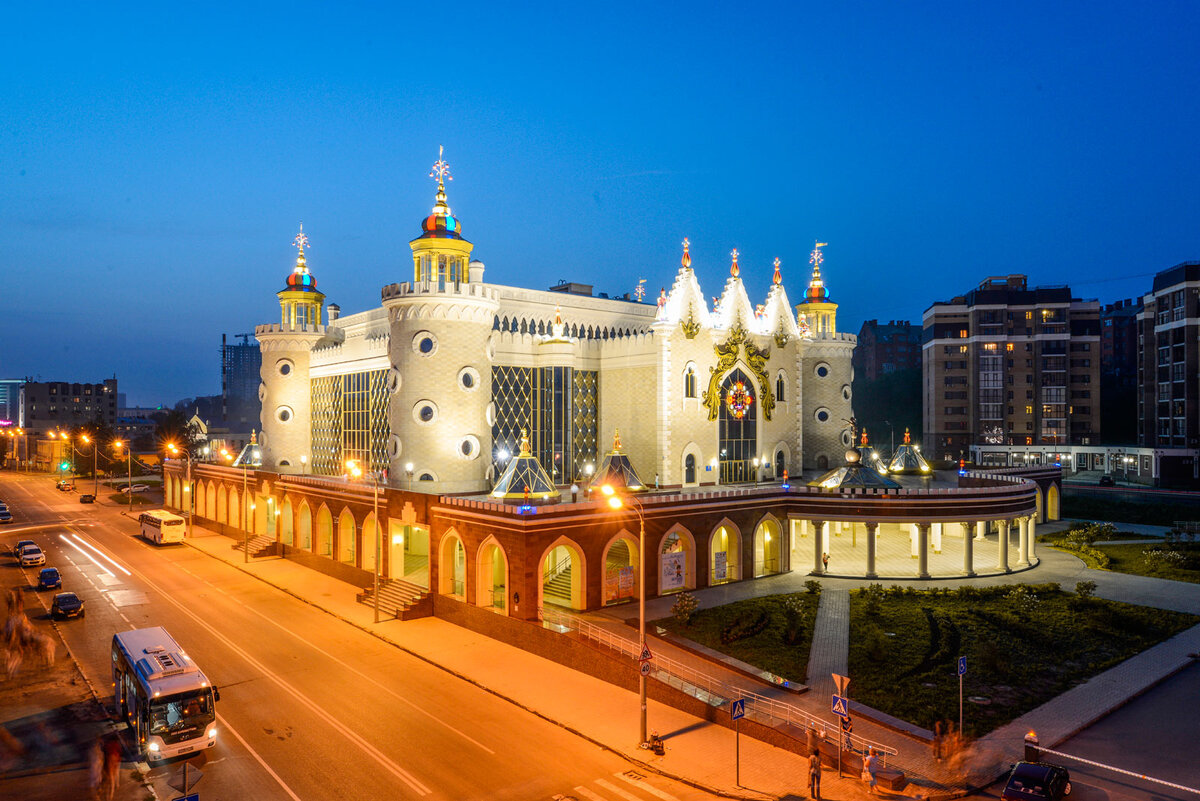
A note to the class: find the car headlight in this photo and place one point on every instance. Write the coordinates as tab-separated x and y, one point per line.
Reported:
153	747
212	732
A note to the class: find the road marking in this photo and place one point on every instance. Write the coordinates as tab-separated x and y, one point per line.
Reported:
612	788
665	796
103	555
261	761
63	537
343	729
350	668
585	791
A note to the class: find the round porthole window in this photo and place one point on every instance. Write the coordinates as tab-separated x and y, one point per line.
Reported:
490	348
424	343
262	392
284	366
468	447
822	415
822	370
468	379
393	380
846	392
847	440
489	414
283	414
425	411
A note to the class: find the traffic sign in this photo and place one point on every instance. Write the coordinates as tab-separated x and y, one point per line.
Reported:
962	665
645	668
841	683
841	706
738	709
192	797
646	655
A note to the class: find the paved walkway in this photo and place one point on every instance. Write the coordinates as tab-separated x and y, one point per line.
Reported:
830	652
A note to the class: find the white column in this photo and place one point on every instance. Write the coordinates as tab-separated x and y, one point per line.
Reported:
871	529
1002	539
1023	547
1032	539
968	550
935	534
818	548
981	527
923	550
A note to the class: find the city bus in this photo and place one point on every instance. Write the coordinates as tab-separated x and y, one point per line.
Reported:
161	527
161	693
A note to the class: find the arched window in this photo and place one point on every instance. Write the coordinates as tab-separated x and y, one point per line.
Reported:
689	382
779	464
780	387
689	469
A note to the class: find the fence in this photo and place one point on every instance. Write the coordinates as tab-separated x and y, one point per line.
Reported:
713	691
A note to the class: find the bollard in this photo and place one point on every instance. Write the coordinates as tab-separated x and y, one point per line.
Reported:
1032	753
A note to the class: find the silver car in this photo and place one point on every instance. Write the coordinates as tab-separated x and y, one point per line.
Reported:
32	556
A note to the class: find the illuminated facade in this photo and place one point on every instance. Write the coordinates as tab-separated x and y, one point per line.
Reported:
436	384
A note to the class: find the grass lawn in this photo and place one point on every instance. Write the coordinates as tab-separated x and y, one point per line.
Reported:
1020	654
123	499
1133	559
758	632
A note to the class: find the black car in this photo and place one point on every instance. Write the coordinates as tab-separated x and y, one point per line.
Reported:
89	498
49	578
1037	781
66	604
1107	481
5	515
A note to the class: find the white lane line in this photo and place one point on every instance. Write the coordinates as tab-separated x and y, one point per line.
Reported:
665	796
585	791
260	760
63	537
612	788
352	669
343	729
101	553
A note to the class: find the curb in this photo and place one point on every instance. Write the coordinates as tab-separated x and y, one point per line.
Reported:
630	759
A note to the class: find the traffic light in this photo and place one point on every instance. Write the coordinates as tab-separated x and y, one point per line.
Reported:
65	466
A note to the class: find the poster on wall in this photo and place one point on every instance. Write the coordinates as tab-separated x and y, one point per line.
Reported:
626	582
611	584
719	566
672	571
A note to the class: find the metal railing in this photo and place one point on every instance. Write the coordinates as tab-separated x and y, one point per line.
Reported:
1122	771
711	690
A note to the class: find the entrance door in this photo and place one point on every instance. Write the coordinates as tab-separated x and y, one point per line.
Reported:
738	433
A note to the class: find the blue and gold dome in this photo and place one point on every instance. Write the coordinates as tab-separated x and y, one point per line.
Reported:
441	224
300	279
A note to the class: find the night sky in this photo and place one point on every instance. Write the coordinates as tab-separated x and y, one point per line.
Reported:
155	164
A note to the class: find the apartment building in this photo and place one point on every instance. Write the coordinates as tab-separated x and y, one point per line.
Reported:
885	348
1010	364
1169	360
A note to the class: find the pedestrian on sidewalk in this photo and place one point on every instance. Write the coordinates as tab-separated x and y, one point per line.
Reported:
825	562
112	767
870	766
95	770
938	744
814	775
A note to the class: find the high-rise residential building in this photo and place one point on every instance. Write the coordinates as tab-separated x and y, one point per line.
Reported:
1168	410
10	401
50	405
241	365
1006	363
885	348
1118	370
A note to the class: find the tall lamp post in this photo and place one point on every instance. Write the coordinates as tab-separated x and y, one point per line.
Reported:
117	444
187	454
616	502
95	465
408	468
356	473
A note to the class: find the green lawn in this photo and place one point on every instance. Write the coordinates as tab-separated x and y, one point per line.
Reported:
770	648
1020	654
1141	560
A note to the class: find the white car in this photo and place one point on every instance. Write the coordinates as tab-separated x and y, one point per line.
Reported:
32	556
134	488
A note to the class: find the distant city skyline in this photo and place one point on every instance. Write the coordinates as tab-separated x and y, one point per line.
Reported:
156	167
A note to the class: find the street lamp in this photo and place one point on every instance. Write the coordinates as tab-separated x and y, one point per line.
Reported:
408	468
616	502
187	454
356	473
95	467
129	457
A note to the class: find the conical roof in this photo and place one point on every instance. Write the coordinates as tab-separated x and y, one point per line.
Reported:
869	456
853	475
251	455
525	480
617	471
907	459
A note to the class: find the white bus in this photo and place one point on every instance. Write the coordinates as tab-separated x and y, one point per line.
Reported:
162	527
159	690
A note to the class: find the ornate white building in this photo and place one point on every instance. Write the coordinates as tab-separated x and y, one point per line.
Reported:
436	384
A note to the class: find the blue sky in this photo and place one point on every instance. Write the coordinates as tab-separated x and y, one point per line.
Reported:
155	162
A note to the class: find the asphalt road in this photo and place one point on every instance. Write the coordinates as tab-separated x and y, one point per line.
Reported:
311	707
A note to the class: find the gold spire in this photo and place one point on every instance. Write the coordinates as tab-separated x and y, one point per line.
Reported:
864	437
907	438
253	437
686	261
524	443
777	279
441	171
734	270
816	287
616	439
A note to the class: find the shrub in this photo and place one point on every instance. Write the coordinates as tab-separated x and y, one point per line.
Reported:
876	645
740	628
813	586
1022	599
684	608
873	595
796	616
1085	589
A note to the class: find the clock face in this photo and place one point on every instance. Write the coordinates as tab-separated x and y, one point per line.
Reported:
738	399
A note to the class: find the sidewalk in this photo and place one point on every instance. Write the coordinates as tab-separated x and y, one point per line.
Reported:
698	753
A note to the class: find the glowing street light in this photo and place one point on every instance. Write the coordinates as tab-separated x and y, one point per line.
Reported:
615	501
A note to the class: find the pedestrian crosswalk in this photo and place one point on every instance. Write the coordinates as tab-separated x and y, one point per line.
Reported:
627	786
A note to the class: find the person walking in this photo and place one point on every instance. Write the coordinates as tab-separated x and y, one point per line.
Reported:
814	775
938	745
825	562
870	766
112	767
95	770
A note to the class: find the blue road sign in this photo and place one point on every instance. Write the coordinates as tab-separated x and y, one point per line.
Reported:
738	709
962	666
192	797
841	706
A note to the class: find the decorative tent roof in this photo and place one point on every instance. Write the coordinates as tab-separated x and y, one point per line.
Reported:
441	224
617	471
907	459
300	279
525	480
251	455
853	475
869	456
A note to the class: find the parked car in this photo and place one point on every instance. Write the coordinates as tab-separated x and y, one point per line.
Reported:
20	546
31	556
135	488
1107	481
49	578
66	604
5	515
1035	781
89	498
66	486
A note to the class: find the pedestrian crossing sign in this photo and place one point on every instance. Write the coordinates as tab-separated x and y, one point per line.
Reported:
841	706
738	709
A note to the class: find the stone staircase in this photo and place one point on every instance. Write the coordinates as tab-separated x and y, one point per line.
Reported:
398	599
259	545
560	585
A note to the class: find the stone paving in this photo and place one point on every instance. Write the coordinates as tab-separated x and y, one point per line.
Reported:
830	651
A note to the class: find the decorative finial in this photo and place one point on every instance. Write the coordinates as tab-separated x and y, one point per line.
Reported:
301	240
662	296
639	291
616	439
686	261
558	321
524	443
734	270
864	437
441	170
907	438
253	437
778	278
815	258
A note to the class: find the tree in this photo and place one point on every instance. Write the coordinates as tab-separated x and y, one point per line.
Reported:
173	427
892	398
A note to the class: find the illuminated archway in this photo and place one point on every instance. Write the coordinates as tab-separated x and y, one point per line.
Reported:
304	526
211	505
768	537
370	530
564	575
620	568
1052	502
724	553
491	578
676	561
286	522
222	517
347	540
452	566
324	531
